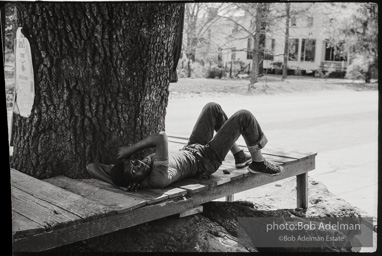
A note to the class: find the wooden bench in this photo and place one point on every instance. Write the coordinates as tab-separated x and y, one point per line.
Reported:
58	211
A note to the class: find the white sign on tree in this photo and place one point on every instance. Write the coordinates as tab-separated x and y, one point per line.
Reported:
24	76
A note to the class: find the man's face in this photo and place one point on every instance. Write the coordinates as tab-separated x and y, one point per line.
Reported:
136	170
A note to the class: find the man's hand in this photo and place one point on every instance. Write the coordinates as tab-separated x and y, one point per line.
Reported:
134	187
124	152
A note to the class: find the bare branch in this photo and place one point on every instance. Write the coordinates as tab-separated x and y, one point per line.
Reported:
237	23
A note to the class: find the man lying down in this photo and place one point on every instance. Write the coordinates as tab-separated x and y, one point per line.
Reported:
202	156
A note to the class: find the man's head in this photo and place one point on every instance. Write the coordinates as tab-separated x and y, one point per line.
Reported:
127	171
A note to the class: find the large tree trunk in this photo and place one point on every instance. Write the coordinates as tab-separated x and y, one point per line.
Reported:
102	72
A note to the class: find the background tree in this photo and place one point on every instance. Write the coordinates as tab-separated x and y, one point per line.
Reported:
354	28
102	72
253	25
286	44
198	18
262	20
279	22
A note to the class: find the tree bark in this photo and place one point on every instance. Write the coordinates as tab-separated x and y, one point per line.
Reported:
286	47
102	72
178	48
264	23
256	47
2	25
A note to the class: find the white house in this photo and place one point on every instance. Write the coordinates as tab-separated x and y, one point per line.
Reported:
308	49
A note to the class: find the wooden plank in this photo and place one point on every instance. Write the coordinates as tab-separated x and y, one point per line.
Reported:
279	160
191	185
227	164
76	204
302	191
290	152
149	197
175	145
41	212
170	192
117	202
252	181
180	139
219	178
89	229
193	211
177	140
235	173
22	226
194	185
286	153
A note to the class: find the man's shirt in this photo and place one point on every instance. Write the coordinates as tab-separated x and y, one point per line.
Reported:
190	161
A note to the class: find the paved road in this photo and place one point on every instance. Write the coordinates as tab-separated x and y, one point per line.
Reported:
341	126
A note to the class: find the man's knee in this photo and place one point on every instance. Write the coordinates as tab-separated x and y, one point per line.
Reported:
243	113
212	105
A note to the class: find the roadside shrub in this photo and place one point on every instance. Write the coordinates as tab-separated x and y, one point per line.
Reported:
337	74
216	72
359	68
197	70
182	73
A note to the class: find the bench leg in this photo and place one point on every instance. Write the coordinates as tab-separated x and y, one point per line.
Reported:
302	191
192	211
229	198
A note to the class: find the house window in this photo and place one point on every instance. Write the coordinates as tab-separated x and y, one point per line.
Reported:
250	48
308	50
334	53
293	21
233	53
293	49
310	22
270	51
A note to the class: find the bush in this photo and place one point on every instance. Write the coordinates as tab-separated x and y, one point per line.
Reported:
197	69
359	68
216	72
337	74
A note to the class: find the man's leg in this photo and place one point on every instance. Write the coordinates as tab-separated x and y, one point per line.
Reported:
240	123
243	123
210	120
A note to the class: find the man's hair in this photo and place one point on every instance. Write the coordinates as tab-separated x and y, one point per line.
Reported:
117	174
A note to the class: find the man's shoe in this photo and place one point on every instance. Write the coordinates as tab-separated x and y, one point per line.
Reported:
242	159
265	167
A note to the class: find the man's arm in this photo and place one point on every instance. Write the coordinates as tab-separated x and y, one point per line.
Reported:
159	141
